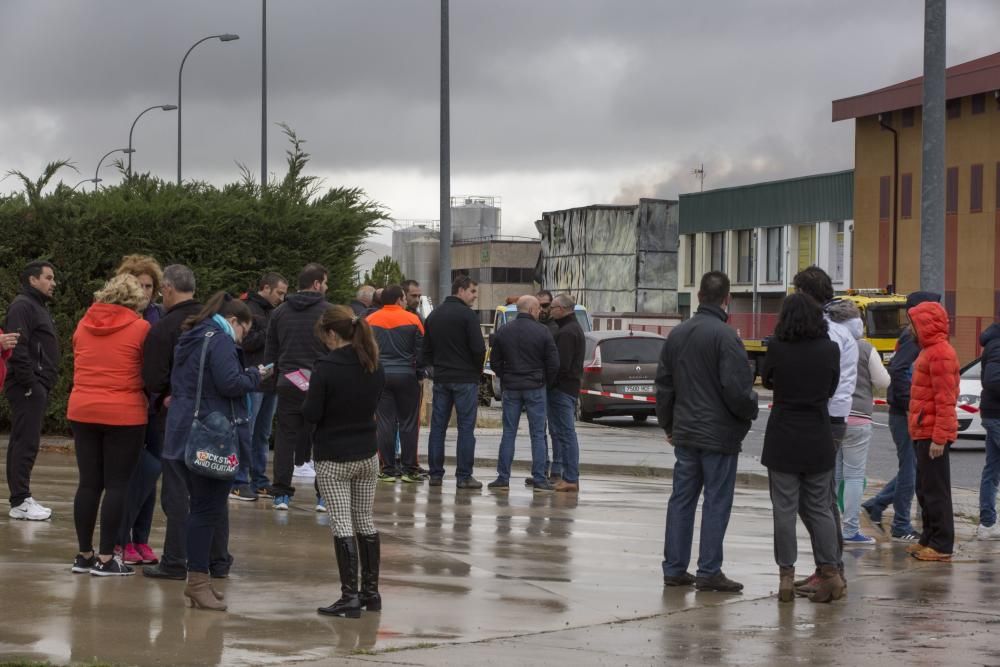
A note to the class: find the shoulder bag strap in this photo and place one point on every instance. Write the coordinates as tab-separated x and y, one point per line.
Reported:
201	372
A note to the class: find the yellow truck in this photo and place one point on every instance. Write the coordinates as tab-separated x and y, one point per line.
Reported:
883	314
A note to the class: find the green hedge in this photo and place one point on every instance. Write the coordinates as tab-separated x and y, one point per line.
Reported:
228	236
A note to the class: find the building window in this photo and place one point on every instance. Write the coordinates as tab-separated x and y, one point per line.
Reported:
837	251
954	108
906	196
744	256
976	189
979	104
908	115
807	246
883	198
692	259
718	262
951	191
885	118
773	255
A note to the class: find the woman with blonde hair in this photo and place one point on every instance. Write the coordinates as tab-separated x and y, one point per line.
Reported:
344	392
140	503
108	413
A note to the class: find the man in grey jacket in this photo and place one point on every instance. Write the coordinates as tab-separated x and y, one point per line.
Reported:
705	403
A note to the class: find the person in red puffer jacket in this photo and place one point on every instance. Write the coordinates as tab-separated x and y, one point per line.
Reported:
933	427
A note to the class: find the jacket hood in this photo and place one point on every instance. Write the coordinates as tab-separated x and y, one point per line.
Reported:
104	319
260	301
856	327
930	321
992	333
342	356
842	311
914	299
303	300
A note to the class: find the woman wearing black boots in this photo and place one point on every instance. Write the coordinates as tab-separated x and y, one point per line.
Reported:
344	392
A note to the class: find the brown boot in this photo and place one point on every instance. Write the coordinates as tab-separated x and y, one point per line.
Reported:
831	585
199	592
786	585
805	587
219	595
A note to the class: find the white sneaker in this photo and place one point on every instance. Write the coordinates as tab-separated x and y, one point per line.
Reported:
988	532
30	510
304	470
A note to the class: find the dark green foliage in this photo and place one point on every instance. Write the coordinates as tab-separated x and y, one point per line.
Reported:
228	236
385	272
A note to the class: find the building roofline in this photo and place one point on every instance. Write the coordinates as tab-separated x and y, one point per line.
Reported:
611	207
762	184
981	75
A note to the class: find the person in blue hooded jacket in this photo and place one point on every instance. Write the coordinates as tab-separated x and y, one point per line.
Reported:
988	528
226	386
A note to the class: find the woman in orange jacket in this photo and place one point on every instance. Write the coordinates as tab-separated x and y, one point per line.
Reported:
108	413
933	427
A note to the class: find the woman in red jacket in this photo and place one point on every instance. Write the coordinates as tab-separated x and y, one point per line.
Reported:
107	410
933	427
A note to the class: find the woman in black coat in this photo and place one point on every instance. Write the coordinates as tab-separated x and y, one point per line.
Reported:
803	368
344	391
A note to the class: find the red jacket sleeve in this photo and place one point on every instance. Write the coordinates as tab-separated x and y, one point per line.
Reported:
944	383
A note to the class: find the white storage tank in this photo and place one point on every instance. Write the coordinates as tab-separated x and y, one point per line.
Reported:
474	217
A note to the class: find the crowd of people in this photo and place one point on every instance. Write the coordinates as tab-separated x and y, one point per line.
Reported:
823	376
161	390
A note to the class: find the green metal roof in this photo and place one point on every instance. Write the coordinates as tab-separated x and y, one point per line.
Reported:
776	203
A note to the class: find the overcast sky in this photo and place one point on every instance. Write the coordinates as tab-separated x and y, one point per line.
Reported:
555	103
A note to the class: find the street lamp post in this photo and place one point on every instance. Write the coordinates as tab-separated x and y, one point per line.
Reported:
227	37
97	179
165	107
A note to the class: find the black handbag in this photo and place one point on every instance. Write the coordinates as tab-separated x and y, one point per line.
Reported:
213	445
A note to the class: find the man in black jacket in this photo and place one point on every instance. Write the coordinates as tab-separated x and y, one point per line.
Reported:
455	350
524	357
32	371
900	489
251	479
292	345
705	403
571	345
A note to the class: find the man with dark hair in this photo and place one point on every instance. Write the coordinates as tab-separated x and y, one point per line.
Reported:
413	293
251	479
400	337
362	300
157	363
705	403
32	371
900	489
545	303
571	344
455	350
292	345
816	282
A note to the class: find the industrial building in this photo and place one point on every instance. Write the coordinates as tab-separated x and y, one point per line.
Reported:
613	259
887	175
761	235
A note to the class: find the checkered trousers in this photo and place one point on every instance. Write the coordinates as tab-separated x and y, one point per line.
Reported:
349	490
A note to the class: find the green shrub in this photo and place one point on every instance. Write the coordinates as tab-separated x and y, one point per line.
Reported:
228	236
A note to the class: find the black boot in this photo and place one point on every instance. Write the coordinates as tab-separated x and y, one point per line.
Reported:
370	549
348	605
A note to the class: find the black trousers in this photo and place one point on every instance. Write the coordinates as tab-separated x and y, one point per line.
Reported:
27	413
209	512
292	439
176	502
399	408
934	497
106	457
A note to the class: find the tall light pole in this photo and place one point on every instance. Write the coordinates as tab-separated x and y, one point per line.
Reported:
445	177
932	226
165	107
263	96
226	37
95	181
97	171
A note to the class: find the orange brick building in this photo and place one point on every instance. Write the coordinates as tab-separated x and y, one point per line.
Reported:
887	168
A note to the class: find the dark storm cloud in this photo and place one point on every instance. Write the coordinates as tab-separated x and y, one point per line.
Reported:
647	86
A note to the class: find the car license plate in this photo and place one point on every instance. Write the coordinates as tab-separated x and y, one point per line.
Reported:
637	389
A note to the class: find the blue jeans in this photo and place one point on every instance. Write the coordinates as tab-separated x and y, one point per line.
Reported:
464	397
695	470
533	401
253	456
852	460
562	428
991	474
899	491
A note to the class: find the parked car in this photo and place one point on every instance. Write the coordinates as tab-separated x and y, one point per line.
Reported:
970	424
619	362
